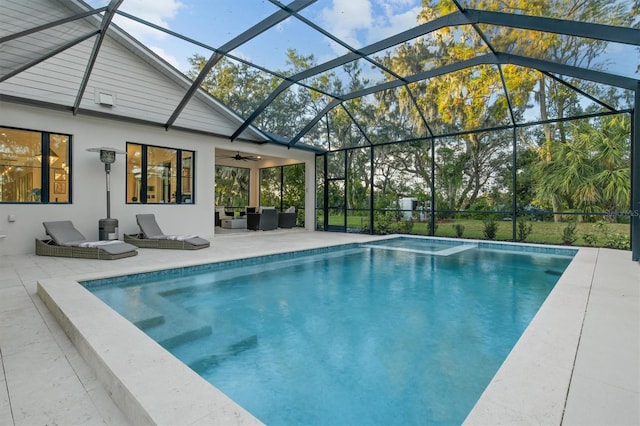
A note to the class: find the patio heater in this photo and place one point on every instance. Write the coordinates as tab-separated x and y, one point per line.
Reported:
108	227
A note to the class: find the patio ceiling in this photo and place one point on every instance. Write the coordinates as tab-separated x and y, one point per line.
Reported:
273	27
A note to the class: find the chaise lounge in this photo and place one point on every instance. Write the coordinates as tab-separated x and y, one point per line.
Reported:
66	241
151	236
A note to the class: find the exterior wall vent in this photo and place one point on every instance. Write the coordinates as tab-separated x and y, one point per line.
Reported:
105	99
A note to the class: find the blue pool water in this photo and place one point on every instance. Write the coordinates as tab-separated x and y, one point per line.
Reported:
403	331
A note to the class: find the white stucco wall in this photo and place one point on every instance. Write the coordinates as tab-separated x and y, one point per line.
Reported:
88	178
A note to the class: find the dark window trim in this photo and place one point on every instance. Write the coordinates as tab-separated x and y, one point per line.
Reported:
45	178
281	167
143	175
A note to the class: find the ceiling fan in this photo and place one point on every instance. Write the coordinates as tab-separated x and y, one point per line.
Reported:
239	157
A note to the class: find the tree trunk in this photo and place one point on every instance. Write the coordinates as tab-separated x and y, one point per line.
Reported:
548	140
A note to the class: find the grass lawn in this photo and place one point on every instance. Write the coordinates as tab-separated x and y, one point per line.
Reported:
541	232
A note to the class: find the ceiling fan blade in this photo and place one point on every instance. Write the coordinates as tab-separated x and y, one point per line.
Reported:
239	157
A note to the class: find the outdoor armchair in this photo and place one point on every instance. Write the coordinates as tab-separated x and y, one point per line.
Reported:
266	220
288	218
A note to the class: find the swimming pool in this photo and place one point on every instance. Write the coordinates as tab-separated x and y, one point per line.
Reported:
325	337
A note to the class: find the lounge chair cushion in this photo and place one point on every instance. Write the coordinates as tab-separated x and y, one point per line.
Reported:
111	247
149	226
151	230
64	233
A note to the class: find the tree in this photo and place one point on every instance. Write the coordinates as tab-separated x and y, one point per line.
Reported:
460	102
236	84
591	170
555	99
232	186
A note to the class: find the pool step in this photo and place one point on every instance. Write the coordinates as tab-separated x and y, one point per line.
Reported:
178	325
214	359
142	316
444	251
227	339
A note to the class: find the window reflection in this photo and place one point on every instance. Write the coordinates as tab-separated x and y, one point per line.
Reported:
34	167
157	175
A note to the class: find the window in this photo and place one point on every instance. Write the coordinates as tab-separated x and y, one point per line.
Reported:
157	175
232	186
283	186
35	166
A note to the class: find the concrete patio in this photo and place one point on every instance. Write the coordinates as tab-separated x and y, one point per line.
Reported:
577	363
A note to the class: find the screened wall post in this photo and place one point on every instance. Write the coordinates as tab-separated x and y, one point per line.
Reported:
345	198
514	176
635	177
325	195
371	197
432	213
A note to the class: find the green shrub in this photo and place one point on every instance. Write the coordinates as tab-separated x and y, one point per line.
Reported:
490	228
382	223
617	241
601	226
404	226
459	228
611	240
569	233
524	229
590	238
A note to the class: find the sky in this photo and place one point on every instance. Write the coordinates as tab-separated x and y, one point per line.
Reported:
358	22
214	22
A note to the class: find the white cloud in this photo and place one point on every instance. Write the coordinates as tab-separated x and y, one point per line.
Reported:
158	12
346	17
362	22
394	21
182	66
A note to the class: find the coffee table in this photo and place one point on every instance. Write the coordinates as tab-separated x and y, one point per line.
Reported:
234	223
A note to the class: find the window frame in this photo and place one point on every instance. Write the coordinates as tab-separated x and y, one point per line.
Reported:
281	185
46	193
181	198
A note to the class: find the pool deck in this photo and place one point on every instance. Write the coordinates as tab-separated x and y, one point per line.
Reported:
577	363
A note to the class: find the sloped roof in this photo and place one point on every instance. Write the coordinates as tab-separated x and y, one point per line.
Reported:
41	32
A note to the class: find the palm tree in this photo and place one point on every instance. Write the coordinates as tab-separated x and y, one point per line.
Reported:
591	170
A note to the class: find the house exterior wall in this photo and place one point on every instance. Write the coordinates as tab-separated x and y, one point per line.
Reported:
88	178
140	84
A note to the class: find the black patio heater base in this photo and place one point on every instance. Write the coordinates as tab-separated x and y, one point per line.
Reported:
108	229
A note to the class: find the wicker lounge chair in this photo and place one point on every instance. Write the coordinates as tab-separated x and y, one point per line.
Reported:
66	241
151	236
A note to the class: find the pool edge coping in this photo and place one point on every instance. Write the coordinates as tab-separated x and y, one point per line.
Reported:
77	315
146	382
532	384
